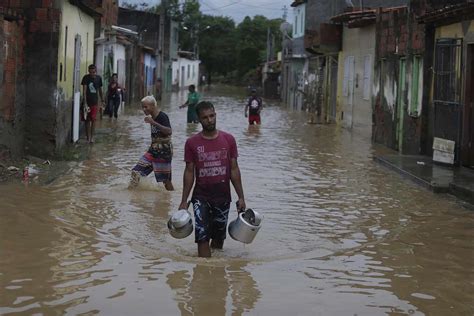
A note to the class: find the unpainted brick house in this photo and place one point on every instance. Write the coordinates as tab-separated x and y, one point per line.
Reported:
423	77
398	79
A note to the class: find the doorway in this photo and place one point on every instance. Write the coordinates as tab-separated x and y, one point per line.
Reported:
76	88
447	99
467	151
401	103
348	91
333	88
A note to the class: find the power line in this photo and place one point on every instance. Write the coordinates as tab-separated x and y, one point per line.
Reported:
262	7
211	7
244	5
218	8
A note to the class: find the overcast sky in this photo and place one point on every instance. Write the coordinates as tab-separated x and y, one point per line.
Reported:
237	9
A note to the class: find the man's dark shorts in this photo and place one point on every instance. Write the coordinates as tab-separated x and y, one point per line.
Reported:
210	220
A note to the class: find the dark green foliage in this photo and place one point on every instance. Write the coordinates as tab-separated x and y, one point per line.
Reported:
226	50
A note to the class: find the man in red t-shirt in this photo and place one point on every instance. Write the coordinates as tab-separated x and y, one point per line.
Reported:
211	160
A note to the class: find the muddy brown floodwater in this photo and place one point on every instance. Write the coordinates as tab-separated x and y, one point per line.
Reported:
341	234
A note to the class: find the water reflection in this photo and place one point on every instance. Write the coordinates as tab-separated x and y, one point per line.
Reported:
207	290
253	131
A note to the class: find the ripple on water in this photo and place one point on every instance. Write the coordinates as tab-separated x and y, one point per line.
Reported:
332	227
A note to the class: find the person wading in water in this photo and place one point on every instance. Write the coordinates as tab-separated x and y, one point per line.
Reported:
159	154
211	162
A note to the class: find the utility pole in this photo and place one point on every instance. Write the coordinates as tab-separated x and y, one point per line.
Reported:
285	12
268	45
161	41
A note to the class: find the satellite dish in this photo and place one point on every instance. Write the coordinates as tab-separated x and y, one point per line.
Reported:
285	27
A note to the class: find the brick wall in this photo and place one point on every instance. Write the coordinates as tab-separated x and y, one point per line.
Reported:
41	62
399	35
13	62
29	76
110	13
148	24
12	86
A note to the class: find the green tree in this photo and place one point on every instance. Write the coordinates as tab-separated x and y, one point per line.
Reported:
190	18
217	44
252	41
143	6
224	48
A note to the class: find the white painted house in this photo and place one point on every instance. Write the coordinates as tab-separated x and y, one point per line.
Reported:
185	72
110	55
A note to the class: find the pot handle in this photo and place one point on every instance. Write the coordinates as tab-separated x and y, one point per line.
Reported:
239	210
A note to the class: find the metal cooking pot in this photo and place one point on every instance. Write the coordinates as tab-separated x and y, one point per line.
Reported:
180	224
246	226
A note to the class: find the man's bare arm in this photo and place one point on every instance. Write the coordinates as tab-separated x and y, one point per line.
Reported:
188	181
236	180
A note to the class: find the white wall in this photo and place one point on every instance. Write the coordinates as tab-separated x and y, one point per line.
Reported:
357	61
73	23
120	63
150	72
299	20
190	77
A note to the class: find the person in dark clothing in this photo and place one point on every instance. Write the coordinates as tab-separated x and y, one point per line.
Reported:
254	107
114	97
159	154
92	90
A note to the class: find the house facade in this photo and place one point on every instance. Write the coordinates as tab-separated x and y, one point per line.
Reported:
449	91
398	80
185	71
323	41
355	92
143	54
294	61
75	52
49	45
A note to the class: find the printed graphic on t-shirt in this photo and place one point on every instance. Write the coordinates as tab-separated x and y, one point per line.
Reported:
92	87
254	104
213	163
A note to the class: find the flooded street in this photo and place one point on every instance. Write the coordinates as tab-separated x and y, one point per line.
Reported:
342	235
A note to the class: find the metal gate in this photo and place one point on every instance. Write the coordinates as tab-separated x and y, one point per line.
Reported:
447	90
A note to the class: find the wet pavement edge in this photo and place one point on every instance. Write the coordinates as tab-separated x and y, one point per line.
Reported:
458	181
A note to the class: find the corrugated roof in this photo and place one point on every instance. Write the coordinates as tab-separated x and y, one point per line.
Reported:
462	10
84	6
297	3
356	18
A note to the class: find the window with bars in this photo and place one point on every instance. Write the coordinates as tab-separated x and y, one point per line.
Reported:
447	70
